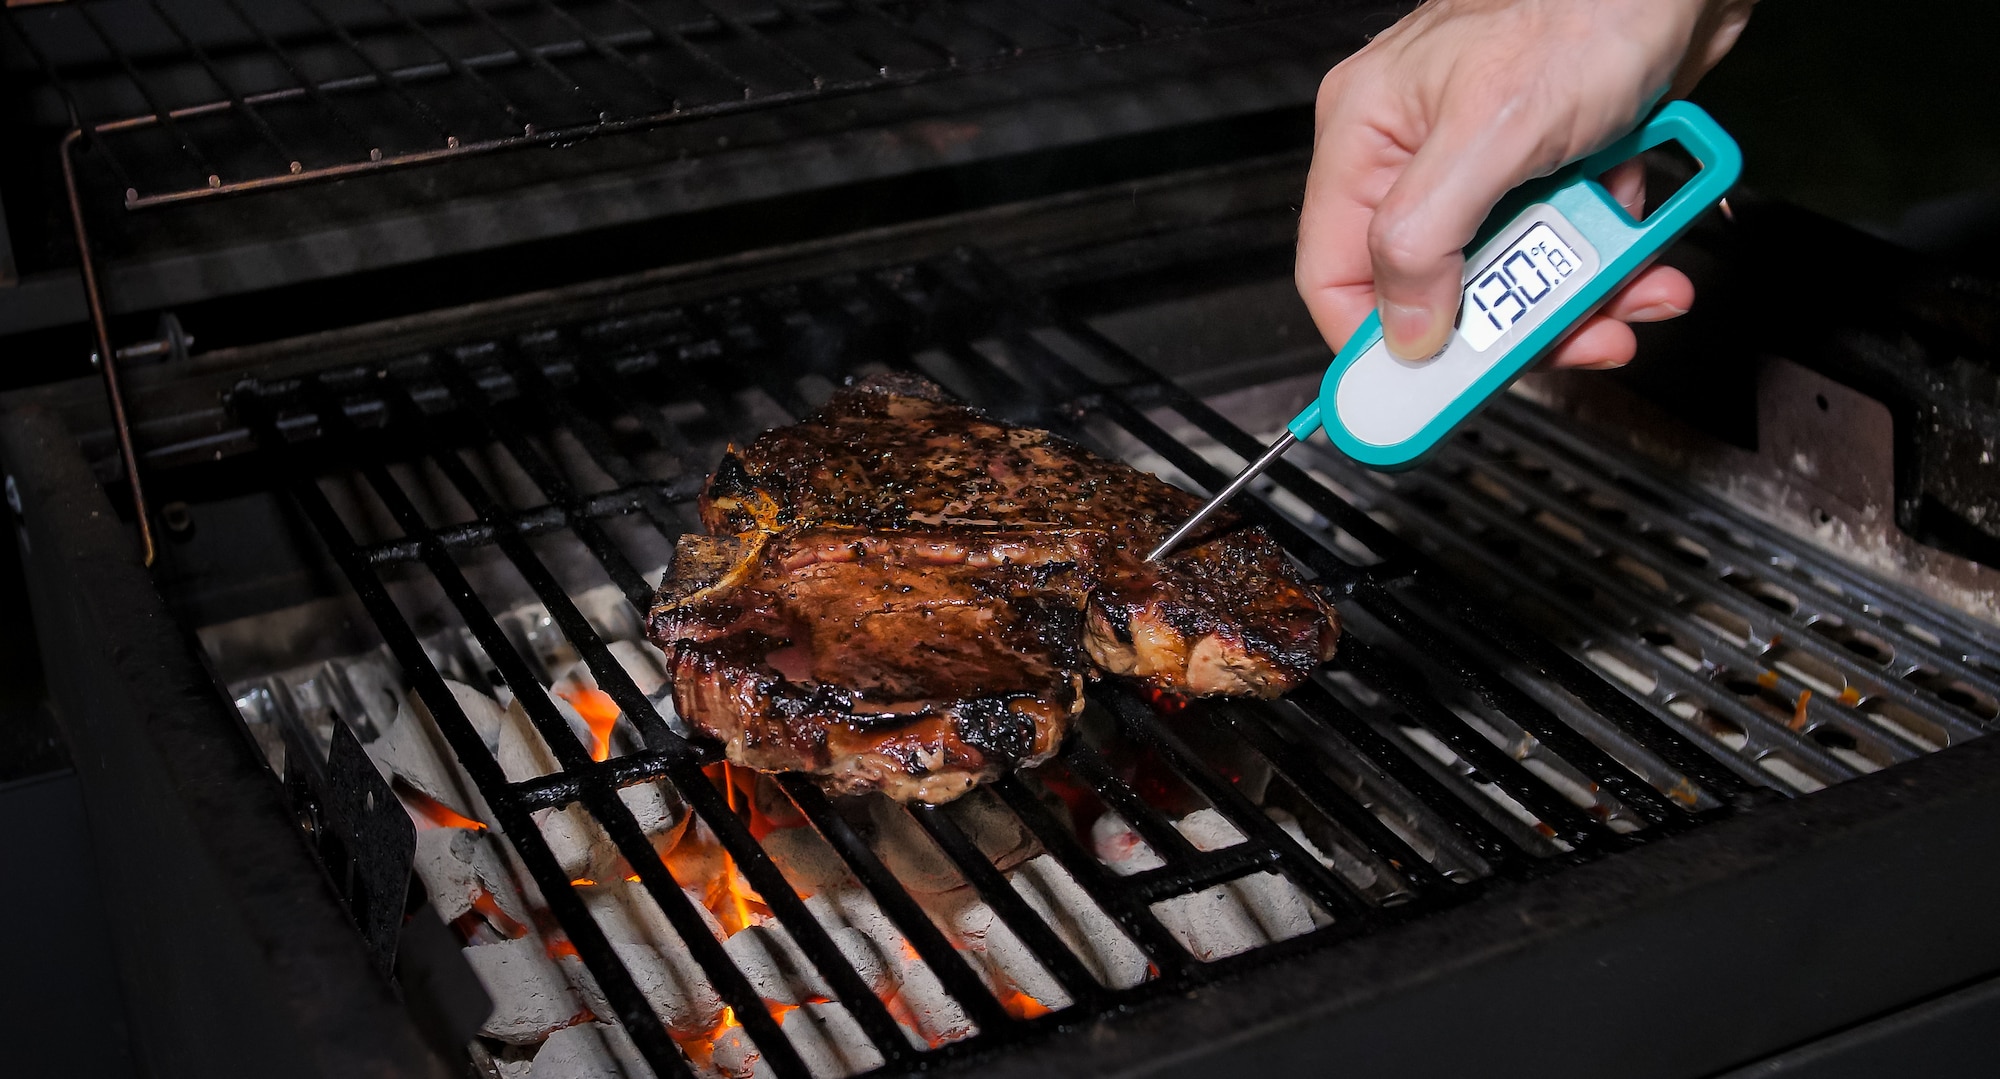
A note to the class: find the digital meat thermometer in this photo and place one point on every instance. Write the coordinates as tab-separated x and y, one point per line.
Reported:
1550	255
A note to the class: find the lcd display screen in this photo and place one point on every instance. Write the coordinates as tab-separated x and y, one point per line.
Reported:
1517	283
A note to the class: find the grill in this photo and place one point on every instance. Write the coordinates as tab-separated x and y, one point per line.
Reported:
1558	767
190	100
1449	747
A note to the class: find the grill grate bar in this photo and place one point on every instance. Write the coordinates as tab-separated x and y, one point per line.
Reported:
805	930
636	496
558	789
649	57
950	967
1765	625
663	32
1049	950
612	55
1206	869
1492	846
613	978
1974	650
1826	767
381	76
145	90
249	111
596	442
1301	768
1497	692
535	58
1333	893
1118	796
1403	685
458	66
313	90
1112	894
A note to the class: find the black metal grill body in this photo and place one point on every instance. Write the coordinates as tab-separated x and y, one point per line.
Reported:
829	111
1680	900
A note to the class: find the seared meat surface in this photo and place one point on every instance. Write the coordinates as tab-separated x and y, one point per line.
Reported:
915	663
871	670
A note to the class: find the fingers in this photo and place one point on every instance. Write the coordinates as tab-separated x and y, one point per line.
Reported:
1627	184
1606	341
1600	345
1419	232
1657	294
1353	165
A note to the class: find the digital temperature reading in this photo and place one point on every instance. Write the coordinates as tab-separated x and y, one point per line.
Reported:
1506	289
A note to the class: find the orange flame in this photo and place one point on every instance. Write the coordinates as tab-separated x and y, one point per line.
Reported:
728	895
600	712
1022	1006
429	810
1799	713
489	909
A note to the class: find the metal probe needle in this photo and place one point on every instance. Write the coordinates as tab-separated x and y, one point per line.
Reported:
1208	509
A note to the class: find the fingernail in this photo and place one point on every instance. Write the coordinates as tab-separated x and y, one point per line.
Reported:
1657	312
1410	332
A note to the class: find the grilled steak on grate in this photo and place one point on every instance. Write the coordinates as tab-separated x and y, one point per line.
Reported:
903	594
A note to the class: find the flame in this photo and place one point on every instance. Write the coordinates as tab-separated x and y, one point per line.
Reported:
488	908
600	712
727	894
1799	713
585	882
738	781
1164	701
729	1021
1022	1006
425	809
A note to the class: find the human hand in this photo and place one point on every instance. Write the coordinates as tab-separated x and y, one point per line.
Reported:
1420	133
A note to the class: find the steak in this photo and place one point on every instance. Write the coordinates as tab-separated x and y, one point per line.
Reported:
901	593
915	663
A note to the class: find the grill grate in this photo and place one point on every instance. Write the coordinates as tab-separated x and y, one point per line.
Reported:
1445	747
187	99
1774	660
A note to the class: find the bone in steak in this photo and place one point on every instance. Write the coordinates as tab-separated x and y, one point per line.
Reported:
903	594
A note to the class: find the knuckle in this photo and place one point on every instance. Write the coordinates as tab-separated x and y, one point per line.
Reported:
1397	244
1332	87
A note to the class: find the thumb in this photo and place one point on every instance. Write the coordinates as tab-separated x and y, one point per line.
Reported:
1417	238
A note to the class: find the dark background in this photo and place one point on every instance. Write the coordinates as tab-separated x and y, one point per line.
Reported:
1886	116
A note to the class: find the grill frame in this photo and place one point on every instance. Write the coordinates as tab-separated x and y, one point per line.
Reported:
1388	966
328	404
695	42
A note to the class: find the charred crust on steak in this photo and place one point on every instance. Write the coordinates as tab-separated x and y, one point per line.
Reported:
920	590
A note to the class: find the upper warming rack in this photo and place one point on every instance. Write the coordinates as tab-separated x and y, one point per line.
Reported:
187	99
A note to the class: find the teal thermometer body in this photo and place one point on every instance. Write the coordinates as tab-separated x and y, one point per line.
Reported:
1552	253
1549	256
